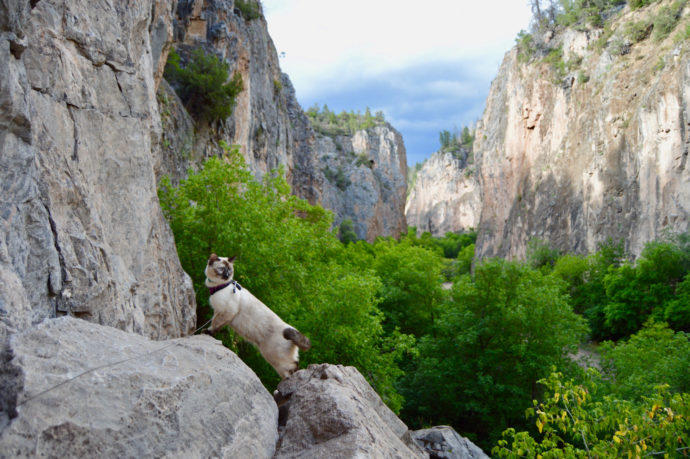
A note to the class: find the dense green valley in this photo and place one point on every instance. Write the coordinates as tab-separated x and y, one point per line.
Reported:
475	355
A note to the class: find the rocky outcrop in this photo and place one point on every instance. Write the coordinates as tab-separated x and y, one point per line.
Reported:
83	390
330	411
365	180
443	442
445	196
82	230
272	130
600	151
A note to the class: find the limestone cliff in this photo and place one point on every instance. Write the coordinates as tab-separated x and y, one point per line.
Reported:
82	230
365	180
445	196
272	130
592	149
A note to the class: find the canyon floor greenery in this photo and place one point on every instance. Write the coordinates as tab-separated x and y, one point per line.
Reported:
475	356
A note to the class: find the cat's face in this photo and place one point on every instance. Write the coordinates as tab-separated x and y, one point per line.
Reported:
219	269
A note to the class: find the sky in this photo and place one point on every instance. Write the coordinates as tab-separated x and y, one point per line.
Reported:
427	65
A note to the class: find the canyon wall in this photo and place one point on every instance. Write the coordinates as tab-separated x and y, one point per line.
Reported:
445	196
595	149
82	230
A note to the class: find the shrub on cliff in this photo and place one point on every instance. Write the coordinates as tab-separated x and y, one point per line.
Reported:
203	84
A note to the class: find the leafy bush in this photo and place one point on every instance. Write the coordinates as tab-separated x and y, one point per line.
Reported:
289	258
203	84
572	423
540	255
667	19
635	4
525	46
637	31
250	9
653	356
503	329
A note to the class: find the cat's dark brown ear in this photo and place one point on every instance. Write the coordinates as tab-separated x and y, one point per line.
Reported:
232	258
212	258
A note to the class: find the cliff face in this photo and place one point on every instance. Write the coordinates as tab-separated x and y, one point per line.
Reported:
365	180
272	130
445	196
82	230
600	152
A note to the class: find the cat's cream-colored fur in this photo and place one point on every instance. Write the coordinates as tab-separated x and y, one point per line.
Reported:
235	306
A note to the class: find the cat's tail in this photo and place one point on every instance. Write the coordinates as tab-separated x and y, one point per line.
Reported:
296	337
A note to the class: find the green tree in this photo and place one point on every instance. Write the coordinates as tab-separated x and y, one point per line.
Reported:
653	356
503	330
203	84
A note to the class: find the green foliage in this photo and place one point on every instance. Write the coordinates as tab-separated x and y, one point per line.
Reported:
250	9
572	423
637	31
636	4
525	46
653	356
337	177
503	329
667	19
326	122
346	232
555	61
457	142
289	258
203	84
540	255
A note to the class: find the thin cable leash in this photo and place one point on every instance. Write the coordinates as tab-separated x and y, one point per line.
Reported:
100	367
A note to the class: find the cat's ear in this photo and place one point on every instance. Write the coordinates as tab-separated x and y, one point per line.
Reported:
232	258
212	258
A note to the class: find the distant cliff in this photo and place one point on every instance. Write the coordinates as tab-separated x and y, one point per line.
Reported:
589	143
445	196
272	130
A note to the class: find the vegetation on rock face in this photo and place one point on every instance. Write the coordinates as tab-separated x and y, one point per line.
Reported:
472	356
328	123
203	84
249	9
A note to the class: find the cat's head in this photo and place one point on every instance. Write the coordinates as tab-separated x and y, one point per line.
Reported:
219	269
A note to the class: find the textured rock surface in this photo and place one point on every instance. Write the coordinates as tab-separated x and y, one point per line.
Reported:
332	412
574	161
445	197
187	397
443	442
82	230
272	130
365	180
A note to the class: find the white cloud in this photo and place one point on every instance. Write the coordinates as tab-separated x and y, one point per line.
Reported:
428	65
325	40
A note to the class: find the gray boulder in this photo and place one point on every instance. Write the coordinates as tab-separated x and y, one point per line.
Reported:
330	411
444	442
78	389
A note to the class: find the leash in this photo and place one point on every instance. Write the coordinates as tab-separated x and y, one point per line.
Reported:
100	367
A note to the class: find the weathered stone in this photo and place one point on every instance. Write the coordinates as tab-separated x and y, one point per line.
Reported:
365	180
445	196
82	227
443	442
85	390
330	411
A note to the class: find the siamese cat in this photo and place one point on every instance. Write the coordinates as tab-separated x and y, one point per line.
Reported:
235	306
